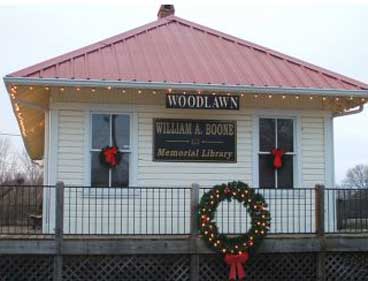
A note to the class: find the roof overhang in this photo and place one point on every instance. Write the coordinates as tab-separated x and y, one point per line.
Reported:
251	89
30	105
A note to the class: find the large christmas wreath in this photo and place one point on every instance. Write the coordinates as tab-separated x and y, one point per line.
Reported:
235	248
110	156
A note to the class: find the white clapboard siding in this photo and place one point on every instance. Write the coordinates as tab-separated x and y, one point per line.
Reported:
160	212
313	149
71	147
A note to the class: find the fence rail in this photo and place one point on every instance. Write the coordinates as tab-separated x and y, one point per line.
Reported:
82	210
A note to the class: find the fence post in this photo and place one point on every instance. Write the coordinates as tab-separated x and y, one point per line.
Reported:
320	230
194	259
320	209
59	230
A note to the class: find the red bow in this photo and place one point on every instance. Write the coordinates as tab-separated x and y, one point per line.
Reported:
110	154
277	160
236	263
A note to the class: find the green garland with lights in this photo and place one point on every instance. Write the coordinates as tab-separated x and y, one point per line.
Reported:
256	207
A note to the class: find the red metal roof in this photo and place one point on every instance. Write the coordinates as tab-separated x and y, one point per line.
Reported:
175	50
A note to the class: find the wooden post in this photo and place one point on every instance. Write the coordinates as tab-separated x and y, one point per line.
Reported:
321	272
194	201
59	231
194	259
320	230
320	209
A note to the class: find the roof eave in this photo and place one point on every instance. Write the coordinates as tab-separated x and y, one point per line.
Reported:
277	90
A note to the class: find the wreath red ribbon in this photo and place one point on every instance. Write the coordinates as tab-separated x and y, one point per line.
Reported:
277	160
236	263
110	155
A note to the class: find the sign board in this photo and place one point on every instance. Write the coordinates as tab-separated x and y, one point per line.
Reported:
194	140
196	101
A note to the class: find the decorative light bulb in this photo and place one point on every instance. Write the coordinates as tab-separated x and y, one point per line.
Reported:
78	89
139	92
283	97
297	97
109	88
123	91
62	89
311	98
242	95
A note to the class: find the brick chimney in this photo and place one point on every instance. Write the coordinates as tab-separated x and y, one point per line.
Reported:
166	10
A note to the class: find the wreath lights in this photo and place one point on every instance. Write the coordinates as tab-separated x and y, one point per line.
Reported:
235	248
110	156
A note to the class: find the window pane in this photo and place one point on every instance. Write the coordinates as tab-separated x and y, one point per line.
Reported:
100	130
99	173
285	134
266	171
120	131
120	174
285	174
266	134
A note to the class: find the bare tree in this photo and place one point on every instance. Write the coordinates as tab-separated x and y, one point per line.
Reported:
357	177
32	171
7	161
16	167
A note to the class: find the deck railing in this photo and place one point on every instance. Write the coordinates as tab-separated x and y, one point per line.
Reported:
81	210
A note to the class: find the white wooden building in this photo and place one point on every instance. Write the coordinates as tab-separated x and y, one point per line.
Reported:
113	93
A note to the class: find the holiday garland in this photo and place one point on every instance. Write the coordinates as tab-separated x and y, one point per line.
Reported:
110	156
236	248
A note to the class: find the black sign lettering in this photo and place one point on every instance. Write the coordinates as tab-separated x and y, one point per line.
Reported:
194	140
191	101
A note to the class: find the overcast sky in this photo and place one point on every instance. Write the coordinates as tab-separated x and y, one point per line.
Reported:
332	35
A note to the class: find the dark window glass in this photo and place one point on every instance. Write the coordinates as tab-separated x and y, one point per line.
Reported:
99	173
266	171
268	176
120	174
285	134
120	131
266	134
100	130
285	174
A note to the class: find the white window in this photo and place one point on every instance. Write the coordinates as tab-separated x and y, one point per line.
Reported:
110	130
276	133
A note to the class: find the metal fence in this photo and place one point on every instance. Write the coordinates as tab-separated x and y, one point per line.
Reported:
82	210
